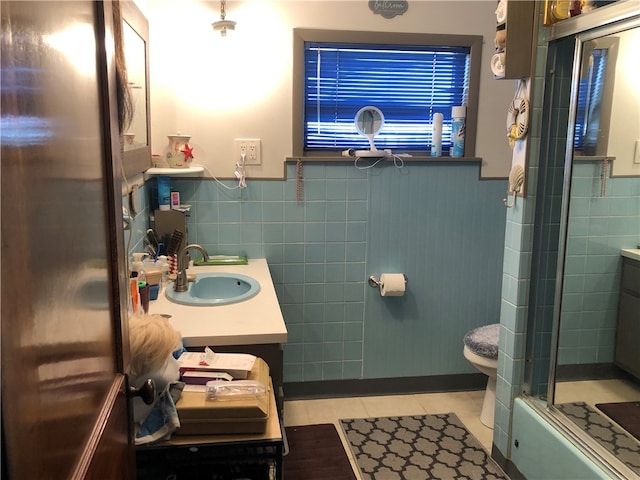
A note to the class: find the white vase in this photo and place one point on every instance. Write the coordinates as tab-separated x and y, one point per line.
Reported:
178	153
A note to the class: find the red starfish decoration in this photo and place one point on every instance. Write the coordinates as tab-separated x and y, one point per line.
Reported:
188	152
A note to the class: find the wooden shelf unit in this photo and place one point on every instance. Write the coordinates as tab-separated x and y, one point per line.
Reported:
518	25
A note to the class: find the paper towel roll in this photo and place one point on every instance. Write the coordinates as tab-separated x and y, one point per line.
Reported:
392	284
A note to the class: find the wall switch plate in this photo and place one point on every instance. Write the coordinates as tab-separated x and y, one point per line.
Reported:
636	155
251	149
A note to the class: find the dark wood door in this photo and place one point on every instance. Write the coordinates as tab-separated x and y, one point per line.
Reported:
65	412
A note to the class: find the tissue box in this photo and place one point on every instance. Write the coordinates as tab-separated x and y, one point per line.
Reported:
198	416
238	365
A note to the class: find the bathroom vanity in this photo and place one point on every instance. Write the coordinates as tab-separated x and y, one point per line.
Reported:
254	326
627	355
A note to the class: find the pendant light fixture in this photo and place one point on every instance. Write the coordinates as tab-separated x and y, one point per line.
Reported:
223	25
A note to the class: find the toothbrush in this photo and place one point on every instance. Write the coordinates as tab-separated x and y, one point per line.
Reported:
134	294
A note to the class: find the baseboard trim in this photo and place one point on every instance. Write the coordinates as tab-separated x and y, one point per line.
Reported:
589	371
383	386
507	465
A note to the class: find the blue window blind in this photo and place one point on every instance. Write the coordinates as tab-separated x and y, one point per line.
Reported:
409	83
590	95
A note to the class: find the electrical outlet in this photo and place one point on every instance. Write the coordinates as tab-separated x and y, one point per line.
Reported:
636	155
250	147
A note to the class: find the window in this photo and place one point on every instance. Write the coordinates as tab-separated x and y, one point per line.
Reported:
407	76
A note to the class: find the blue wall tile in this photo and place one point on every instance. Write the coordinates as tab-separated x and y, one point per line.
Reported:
593	263
437	223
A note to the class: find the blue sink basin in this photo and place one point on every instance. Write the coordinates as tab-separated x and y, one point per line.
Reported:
216	289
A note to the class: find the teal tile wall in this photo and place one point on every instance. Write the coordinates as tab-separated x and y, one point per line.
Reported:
599	226
437	223
527	292
444	229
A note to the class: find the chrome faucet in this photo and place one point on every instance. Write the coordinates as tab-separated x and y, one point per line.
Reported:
181	284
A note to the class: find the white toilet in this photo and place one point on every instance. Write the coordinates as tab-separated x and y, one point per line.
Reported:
481	350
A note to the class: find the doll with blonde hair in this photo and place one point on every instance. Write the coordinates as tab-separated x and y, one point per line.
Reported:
152	341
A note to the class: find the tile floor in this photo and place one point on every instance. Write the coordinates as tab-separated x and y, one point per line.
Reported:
466	405
597	391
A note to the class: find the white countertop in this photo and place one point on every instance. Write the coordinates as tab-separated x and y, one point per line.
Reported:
254	321
633	253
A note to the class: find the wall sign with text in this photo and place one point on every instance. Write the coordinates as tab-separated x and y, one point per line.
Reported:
388	8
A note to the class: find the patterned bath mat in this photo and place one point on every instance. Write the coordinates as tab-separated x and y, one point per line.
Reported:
418	448
610	436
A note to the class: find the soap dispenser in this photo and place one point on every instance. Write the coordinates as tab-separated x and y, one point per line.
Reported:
136	266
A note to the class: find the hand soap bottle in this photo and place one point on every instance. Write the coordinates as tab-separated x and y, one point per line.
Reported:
137	264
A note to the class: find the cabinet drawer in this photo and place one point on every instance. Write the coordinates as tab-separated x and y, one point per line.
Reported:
627	354
631	276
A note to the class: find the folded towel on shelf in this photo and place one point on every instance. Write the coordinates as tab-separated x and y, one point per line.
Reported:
163	419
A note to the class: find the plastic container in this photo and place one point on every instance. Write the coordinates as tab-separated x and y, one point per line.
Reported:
164	269
164	192
153	292
458	118
436	145
235	390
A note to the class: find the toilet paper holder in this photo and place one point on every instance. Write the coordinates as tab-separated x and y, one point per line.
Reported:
374	281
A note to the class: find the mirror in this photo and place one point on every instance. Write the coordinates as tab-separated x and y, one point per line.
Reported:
137	145
607	117
136	136
601	217
593	109
369	121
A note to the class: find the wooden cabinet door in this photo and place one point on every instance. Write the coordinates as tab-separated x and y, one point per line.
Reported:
65	412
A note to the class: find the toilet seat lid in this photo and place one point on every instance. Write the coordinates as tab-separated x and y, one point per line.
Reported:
484	340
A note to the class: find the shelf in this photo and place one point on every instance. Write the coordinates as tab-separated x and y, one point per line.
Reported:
192	171
411	159
519	35
592	158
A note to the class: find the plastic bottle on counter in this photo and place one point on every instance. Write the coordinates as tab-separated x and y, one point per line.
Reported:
436	144
137	264
164	193
458	118
163	265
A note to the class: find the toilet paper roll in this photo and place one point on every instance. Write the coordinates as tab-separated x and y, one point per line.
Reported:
392	285
497	64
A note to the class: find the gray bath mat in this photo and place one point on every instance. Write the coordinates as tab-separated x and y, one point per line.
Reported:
418	448
610	436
